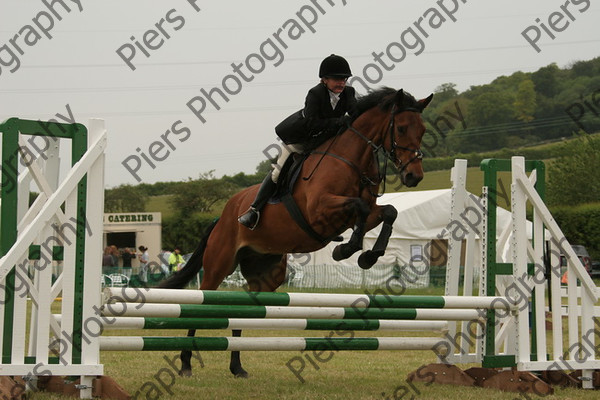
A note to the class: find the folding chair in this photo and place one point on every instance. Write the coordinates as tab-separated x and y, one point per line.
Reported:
119	280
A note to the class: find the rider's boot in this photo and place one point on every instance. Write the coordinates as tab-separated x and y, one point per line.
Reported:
250	218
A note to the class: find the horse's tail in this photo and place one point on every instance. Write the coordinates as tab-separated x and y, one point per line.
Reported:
181	278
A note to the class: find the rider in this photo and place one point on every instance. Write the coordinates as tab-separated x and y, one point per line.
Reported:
328	107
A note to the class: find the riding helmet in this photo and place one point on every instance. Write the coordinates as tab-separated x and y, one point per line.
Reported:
334	65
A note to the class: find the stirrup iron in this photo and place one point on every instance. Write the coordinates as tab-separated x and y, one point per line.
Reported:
247	222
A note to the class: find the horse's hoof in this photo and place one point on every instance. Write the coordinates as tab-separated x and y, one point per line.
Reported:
242	374
337	253
367	259
239	372
343	251
185	372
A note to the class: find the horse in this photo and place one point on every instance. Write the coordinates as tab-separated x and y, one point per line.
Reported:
340	183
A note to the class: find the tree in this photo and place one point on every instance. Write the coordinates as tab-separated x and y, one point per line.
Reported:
445	91
487	114
201	194
571	178
184	231
546	80
525	103
264	167
124	198
242	180
584	68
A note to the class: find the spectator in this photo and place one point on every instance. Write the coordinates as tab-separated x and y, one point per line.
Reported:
175	260
144	258
127	256
114	253
108	263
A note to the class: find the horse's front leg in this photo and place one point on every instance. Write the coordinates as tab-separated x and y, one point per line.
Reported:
235	364
349	208
388	215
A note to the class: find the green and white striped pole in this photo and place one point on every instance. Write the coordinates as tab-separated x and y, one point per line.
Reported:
221	297
218	311
254	323
138	343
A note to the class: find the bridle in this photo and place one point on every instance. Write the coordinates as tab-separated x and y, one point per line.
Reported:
391	153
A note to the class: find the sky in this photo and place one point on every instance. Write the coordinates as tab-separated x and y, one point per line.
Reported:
191	86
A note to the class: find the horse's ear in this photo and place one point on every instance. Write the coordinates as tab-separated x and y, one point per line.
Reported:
425	102
399	96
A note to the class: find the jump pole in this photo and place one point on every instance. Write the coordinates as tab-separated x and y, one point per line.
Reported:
217	311
138	343
253	323
222	297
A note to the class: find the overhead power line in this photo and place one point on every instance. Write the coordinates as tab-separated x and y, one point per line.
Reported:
354	56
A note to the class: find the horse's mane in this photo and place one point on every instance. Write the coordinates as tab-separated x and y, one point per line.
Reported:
383	98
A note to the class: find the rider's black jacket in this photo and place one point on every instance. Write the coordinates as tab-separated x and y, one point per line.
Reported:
317	120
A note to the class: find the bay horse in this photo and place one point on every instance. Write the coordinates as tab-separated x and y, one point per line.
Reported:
344	180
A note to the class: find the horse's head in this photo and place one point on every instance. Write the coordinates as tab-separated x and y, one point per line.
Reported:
390	119
404	135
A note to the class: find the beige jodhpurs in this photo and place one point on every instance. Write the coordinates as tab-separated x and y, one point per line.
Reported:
286	150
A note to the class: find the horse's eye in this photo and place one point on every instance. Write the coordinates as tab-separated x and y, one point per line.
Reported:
401	130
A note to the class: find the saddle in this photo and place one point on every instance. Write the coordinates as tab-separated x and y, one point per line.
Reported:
288	177
293	165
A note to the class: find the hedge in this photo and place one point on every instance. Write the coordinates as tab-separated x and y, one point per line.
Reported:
581	225
474	159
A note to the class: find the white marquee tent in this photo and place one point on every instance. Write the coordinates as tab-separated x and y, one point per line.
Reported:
422	225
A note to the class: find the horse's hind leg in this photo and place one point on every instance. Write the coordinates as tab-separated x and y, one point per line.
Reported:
235	365
264	273
388	214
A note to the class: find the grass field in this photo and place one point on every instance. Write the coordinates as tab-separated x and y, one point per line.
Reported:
344	376
441	180
160	204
